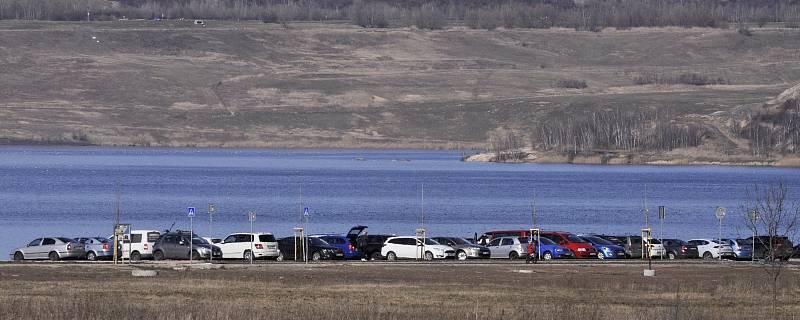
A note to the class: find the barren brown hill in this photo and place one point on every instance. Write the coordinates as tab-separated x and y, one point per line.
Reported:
174	83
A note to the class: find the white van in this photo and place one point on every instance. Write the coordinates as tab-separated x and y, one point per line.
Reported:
139	244
239	246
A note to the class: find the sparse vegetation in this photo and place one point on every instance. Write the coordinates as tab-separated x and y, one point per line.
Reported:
689	78
392	291
589	15
771	131
617	130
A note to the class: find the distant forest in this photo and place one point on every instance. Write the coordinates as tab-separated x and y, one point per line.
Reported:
590	15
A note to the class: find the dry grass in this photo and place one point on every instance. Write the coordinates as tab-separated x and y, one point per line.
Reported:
391	291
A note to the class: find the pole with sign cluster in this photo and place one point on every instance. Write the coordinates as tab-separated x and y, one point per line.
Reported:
211	209
720	213
252	217
190	213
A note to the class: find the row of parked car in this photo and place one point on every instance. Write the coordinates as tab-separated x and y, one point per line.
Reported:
508	244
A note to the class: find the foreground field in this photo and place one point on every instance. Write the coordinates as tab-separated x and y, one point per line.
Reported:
394	291
250	84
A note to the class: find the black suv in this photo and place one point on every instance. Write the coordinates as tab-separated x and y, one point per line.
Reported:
176	245
316	249
374	242
781	246
679	249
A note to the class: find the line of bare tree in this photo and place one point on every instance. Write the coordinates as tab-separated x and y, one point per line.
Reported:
772	131
430	14
617	130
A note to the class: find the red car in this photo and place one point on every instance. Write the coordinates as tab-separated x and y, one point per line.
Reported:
581	248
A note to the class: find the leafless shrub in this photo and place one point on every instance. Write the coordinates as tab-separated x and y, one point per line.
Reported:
505	144
369	15
768	214
571	84
771	131
429	16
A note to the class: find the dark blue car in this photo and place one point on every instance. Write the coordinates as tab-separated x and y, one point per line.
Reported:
341	242
605	249
549	249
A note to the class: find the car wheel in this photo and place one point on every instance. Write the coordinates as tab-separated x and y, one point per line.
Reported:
136	256
428	256
391	256
196	255
461	255
547	256
707	255
54	256
601	256
18	256
91	256
316	256
280	257
375	256
248	255
513	255
671	256
158	255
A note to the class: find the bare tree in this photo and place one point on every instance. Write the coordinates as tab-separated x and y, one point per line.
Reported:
768	215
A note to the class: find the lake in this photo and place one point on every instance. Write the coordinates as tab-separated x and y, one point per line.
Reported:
71	191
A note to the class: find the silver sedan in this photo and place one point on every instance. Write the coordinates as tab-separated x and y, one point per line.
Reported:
53	248
97	248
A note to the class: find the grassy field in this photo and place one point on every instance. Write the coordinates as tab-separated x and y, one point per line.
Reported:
250	84
394	291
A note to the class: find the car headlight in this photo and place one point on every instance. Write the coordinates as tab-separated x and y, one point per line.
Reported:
559	250
581	249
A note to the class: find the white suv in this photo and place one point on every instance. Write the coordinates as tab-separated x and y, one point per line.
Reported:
411	248
710	249
239	246
139	244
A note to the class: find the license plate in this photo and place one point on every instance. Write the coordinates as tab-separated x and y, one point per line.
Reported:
339	254
620	254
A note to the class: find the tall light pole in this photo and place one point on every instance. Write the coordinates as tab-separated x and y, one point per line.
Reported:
753	216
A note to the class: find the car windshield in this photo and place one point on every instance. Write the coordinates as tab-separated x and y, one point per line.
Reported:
101	240
574	238
523	239
65	240
430	242
459	241
198	240
546	241
317	241
745	242
599	240
655	241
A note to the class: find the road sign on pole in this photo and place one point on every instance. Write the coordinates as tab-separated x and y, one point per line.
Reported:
211	209
306	211
662	213
252	217
190	212
720	213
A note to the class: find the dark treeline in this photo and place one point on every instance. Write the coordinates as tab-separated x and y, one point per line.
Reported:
616	130
771	131
429	14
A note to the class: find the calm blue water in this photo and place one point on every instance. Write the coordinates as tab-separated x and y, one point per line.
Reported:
48	191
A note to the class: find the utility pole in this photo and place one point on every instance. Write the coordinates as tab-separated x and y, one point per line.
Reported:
720	213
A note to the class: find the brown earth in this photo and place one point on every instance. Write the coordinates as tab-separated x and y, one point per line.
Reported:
250	84
395	291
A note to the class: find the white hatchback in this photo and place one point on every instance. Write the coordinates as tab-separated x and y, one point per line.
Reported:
412	248
249	246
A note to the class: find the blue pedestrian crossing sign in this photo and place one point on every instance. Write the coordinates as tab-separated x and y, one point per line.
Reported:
191	212
305	211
